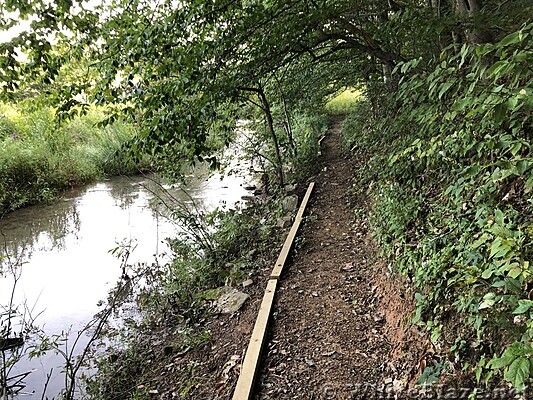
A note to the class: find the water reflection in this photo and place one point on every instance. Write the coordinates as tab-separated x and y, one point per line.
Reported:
39	228
65	251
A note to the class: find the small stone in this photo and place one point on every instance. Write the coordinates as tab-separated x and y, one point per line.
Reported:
290	188
285	222
348	267
314	294
290	203
247	282
231	302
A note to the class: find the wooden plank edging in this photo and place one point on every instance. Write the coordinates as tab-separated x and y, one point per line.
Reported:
245	383
280	263
320	145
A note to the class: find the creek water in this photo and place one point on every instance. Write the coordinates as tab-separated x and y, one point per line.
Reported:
65	264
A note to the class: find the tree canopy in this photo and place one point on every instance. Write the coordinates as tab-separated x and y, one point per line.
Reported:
444	128
176	68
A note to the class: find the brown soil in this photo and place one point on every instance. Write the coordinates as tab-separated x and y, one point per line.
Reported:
339	327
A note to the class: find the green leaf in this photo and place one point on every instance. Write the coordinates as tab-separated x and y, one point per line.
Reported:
499	112
514	272
522	166
512	102
495	247
515	37
498	217
496	68
516	148
444	88
488	273
523	306
461	104
501	362
518	372
488	301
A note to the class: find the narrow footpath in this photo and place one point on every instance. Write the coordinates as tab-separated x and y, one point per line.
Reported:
330	335
338	325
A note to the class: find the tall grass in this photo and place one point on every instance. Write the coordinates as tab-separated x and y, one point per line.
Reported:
344	103
38	159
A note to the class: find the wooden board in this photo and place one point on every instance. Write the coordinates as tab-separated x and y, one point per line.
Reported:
245	384
280	263
320	144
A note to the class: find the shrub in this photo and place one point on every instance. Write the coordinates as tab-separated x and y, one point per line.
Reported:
450	167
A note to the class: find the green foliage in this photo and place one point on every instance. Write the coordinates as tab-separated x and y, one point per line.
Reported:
307	131
450	166
218	255
38	160
344	103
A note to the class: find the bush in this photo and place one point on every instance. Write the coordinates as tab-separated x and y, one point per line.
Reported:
450	172
307	131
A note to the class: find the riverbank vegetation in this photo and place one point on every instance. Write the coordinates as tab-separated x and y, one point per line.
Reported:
39	159
443	120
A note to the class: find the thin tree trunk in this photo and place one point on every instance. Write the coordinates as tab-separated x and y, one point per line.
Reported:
288	127
470	9
270	128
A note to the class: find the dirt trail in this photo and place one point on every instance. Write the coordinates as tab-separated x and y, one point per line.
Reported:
328	338
336	330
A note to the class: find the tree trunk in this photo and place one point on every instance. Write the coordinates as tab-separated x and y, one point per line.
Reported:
288	127
270	128
470	9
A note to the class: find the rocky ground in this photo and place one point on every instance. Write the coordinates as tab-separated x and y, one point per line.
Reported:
339	328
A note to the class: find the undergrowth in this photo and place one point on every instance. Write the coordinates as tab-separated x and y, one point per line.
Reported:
449	172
